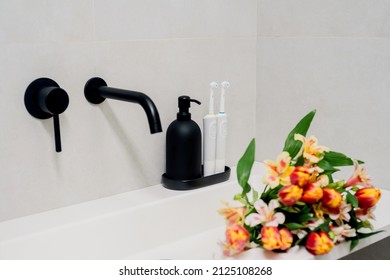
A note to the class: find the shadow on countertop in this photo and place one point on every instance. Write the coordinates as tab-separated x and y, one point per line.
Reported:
377	251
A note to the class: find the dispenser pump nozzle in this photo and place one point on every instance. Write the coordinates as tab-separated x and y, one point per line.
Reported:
184	106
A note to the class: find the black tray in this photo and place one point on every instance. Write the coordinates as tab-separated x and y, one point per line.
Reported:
184	185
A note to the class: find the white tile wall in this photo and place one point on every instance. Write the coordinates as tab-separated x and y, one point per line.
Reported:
107	149
333	56
329	55
46	21
359	18
151	19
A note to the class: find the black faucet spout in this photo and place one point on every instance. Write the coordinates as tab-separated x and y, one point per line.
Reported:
96	91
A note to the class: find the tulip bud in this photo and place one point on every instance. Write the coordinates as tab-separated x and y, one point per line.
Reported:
331	198
319	243
289	195
300	176
368	197
270	238
286	238
237	238
312	194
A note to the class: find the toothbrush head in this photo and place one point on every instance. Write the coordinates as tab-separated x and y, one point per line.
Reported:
225	84
213	85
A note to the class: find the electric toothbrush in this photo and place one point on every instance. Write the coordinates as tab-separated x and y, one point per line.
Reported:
210	135
221	131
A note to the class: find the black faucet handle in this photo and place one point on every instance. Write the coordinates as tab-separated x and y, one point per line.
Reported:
45	99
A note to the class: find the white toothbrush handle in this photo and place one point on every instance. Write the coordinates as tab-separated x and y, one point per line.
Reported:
209	144
221	143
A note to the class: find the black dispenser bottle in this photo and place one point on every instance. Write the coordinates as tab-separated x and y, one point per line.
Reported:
184	144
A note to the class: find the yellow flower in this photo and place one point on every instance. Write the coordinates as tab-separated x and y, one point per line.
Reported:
311	151
279	171
233	215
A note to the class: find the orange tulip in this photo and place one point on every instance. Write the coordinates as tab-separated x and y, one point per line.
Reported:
289	195
237	238
331	198
270	237
273	238
286	239
300	176
368	197
311	194
319	243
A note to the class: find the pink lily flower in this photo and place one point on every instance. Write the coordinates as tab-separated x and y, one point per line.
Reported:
359	177
265	215
341	213
343	231
279	171
366	214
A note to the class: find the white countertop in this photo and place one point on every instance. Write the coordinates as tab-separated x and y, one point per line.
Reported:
150	223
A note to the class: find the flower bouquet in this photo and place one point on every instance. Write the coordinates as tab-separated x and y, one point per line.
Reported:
301	204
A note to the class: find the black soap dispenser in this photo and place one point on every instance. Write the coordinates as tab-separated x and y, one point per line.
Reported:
184	144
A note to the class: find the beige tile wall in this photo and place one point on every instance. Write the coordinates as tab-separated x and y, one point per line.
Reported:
163	48
333	56
283	58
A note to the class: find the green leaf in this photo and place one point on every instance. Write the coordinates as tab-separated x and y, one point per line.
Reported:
365	235
327	167
300	161
291	145
305	218
290	209
354	243
351	199
245	164
243	200
294	226
324	227
338	159
246	189
355	240
255	195
339	185
330	177
270	194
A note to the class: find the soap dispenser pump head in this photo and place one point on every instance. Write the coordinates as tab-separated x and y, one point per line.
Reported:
184	106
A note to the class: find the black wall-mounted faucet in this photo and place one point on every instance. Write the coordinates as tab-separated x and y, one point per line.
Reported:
96	91
45	99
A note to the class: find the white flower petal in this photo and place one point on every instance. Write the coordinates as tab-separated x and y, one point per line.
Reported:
273	204
279	218
349	233
261	208
253	220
